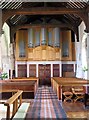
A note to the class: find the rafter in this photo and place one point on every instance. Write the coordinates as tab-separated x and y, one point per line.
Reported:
40	11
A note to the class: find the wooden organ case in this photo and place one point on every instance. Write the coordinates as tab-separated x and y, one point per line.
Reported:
36	46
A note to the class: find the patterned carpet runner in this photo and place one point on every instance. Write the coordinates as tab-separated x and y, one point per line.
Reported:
46	105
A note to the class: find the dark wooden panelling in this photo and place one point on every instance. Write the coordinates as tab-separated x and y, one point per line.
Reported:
25	95
56	70
32	70
22	70
67	68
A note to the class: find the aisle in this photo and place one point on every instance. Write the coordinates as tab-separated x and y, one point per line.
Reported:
46	105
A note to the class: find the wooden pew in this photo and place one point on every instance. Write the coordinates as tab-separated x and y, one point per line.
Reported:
28	86
15	100
25	79
57	84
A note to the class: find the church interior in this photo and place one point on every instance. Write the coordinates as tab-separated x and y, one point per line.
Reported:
44	59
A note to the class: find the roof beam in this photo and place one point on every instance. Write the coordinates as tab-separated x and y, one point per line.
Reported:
40	11
43	11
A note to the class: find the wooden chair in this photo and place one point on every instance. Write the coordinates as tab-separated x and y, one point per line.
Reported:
67	92
86	99
79	93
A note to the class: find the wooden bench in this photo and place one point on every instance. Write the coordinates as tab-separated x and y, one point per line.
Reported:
58	82
27	86
25	79
15	106
16	101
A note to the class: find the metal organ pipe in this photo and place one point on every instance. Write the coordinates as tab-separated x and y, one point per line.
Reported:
43	36
56	37
30	37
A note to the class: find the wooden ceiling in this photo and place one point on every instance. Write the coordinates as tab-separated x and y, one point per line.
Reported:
21	13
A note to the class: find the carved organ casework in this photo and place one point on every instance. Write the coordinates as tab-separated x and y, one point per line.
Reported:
21	45
66	45
43	43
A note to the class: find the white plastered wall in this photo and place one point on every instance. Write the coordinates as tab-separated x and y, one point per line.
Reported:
81	52
88	55
4	49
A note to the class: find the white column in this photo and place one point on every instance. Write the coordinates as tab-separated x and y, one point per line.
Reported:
60	69
27	69
16	69
74	67
51	70
36	70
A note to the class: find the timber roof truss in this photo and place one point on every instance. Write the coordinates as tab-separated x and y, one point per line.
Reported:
23	13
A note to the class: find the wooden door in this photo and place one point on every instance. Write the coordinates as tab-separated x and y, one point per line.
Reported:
45	74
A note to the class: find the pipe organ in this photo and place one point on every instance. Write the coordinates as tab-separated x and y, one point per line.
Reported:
44	45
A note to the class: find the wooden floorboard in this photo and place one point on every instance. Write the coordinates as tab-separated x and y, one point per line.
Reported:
76	110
